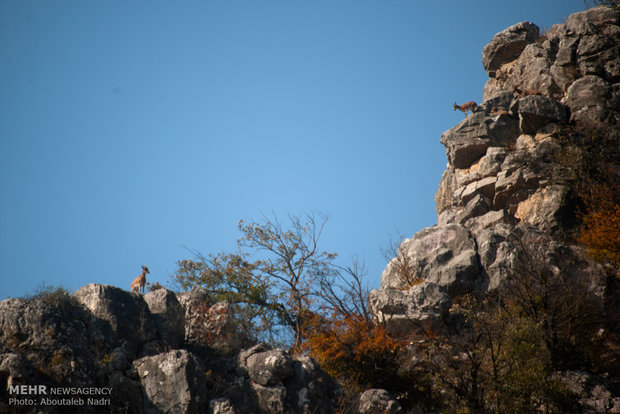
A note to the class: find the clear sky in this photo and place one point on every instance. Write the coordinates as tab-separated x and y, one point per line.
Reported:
130	129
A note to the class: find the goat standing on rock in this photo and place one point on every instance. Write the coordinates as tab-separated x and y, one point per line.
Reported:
467	106
139	282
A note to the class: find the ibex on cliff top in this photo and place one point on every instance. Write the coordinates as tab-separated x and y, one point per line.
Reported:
467	106
140	281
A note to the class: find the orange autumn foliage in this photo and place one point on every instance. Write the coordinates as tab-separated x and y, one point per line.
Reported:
600	232
352	348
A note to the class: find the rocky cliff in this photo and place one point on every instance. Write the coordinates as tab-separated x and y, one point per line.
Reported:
506	200
507	174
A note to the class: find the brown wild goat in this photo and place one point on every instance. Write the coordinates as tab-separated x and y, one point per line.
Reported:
140	281
467	106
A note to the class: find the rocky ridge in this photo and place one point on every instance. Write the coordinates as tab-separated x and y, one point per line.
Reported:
504	178
134	345
505	188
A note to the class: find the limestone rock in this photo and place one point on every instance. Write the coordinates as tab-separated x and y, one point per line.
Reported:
537	111
310	389
54	335
123	317
531	73
587	99
484	187
477	206
281	382
407	311
507	45
445	255
488	166
193	297
541	208
564	69
467	142
595	392
499	252
214	323
269	367
592	20
587	44
515	182
271	399
500	100
447	185
127	395
376	401
174	382
64	340
221	406
169	316
194	304
488	220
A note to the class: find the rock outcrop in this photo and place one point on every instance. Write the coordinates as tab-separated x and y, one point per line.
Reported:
173	382
504	176
503	196
169	316
377	401
282	383
134	349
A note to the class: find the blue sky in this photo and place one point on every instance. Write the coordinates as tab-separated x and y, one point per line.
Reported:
130	129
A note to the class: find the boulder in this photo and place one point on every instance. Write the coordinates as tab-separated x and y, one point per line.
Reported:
467	142
310	389
507	45
271	399
444	255
281	383
195	305
596	395
127	395
488	166
405	312
587	99
564	69
376	401
541	208
531	74
53	333
221	406
484	187
483	221
500	100
195	296
499	251
453	183
173	382
536	111
477	206
269	367
122	317
514	183
447	185
591	21
222	325
212	324
169	316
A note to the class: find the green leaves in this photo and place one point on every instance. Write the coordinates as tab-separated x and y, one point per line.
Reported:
276	275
